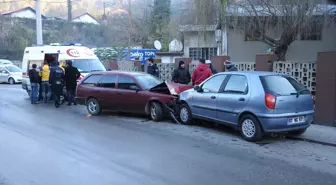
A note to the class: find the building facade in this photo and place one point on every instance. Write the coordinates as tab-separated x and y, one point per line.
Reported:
202	44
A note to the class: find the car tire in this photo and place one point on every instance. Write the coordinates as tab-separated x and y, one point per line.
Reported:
156	111
93	107
11	81
250	128
297	132
185	115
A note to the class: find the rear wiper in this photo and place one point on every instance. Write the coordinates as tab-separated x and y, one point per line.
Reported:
299	92
95	70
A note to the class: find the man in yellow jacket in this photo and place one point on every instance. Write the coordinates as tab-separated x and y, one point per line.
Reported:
62	65
45	73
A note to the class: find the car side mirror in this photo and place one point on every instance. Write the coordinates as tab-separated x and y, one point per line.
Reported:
198	88
134	87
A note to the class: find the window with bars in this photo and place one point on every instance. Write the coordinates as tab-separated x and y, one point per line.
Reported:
314	32
204	53
252	36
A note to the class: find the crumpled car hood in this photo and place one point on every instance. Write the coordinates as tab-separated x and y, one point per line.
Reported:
172	88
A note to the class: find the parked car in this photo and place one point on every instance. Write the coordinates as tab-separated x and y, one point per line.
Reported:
254	102
10	74
5	62
128	92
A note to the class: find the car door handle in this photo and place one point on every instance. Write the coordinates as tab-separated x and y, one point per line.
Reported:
213	97
241	99
119	93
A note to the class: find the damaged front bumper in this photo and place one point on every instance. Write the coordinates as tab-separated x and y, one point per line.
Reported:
172	109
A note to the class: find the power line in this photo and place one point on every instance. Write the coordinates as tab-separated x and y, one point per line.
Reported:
13	1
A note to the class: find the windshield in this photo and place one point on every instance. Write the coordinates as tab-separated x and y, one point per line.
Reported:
88	65
147	81
283	85
13	69
5	62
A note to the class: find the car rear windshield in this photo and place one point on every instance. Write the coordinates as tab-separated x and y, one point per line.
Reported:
282	85
147	81
88	65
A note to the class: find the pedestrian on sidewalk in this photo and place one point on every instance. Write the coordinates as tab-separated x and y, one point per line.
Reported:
229	66
71	76
45	74
201	73
56	80
181	74
152	68
213	70
34	80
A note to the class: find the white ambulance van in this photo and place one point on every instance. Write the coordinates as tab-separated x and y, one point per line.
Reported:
82	57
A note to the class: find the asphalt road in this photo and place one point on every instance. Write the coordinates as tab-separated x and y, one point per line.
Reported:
41	145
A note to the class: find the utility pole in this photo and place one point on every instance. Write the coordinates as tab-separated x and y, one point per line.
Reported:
104	17
39	36
69	10
129	22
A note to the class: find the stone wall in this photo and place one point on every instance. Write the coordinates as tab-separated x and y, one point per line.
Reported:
304	72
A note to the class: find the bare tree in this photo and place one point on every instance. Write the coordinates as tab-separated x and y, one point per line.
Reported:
291	18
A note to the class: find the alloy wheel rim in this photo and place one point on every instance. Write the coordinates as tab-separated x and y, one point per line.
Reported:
248	128
184	115
11	81
153	112
92	107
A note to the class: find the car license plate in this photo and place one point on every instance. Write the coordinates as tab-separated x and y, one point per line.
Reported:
296	120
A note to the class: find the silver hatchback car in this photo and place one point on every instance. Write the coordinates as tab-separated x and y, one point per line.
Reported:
254	102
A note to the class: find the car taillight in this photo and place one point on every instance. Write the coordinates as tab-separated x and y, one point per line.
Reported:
270	101
24	73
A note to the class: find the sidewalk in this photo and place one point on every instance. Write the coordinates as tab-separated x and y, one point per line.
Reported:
319	134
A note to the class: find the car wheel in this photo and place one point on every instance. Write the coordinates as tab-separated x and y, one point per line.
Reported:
250	128
29	93
93	107
11	81
62	99
156	111
297	132
185	114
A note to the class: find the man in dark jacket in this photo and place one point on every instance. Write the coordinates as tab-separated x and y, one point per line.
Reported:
201	73
213	70
56	80
181	74
34	81
229	66
152	68
71	76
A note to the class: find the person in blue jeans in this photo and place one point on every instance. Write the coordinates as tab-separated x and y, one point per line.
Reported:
34	81
45	73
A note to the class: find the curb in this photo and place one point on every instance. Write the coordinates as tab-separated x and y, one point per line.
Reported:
312	141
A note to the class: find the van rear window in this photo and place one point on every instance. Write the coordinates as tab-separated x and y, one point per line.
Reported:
282	85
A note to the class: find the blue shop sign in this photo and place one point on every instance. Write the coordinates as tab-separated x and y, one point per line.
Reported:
141	54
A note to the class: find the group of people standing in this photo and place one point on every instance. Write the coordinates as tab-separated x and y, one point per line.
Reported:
203	71
50	79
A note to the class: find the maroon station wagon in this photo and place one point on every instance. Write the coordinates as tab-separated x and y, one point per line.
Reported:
128	92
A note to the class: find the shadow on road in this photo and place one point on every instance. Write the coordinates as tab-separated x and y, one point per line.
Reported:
220	128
